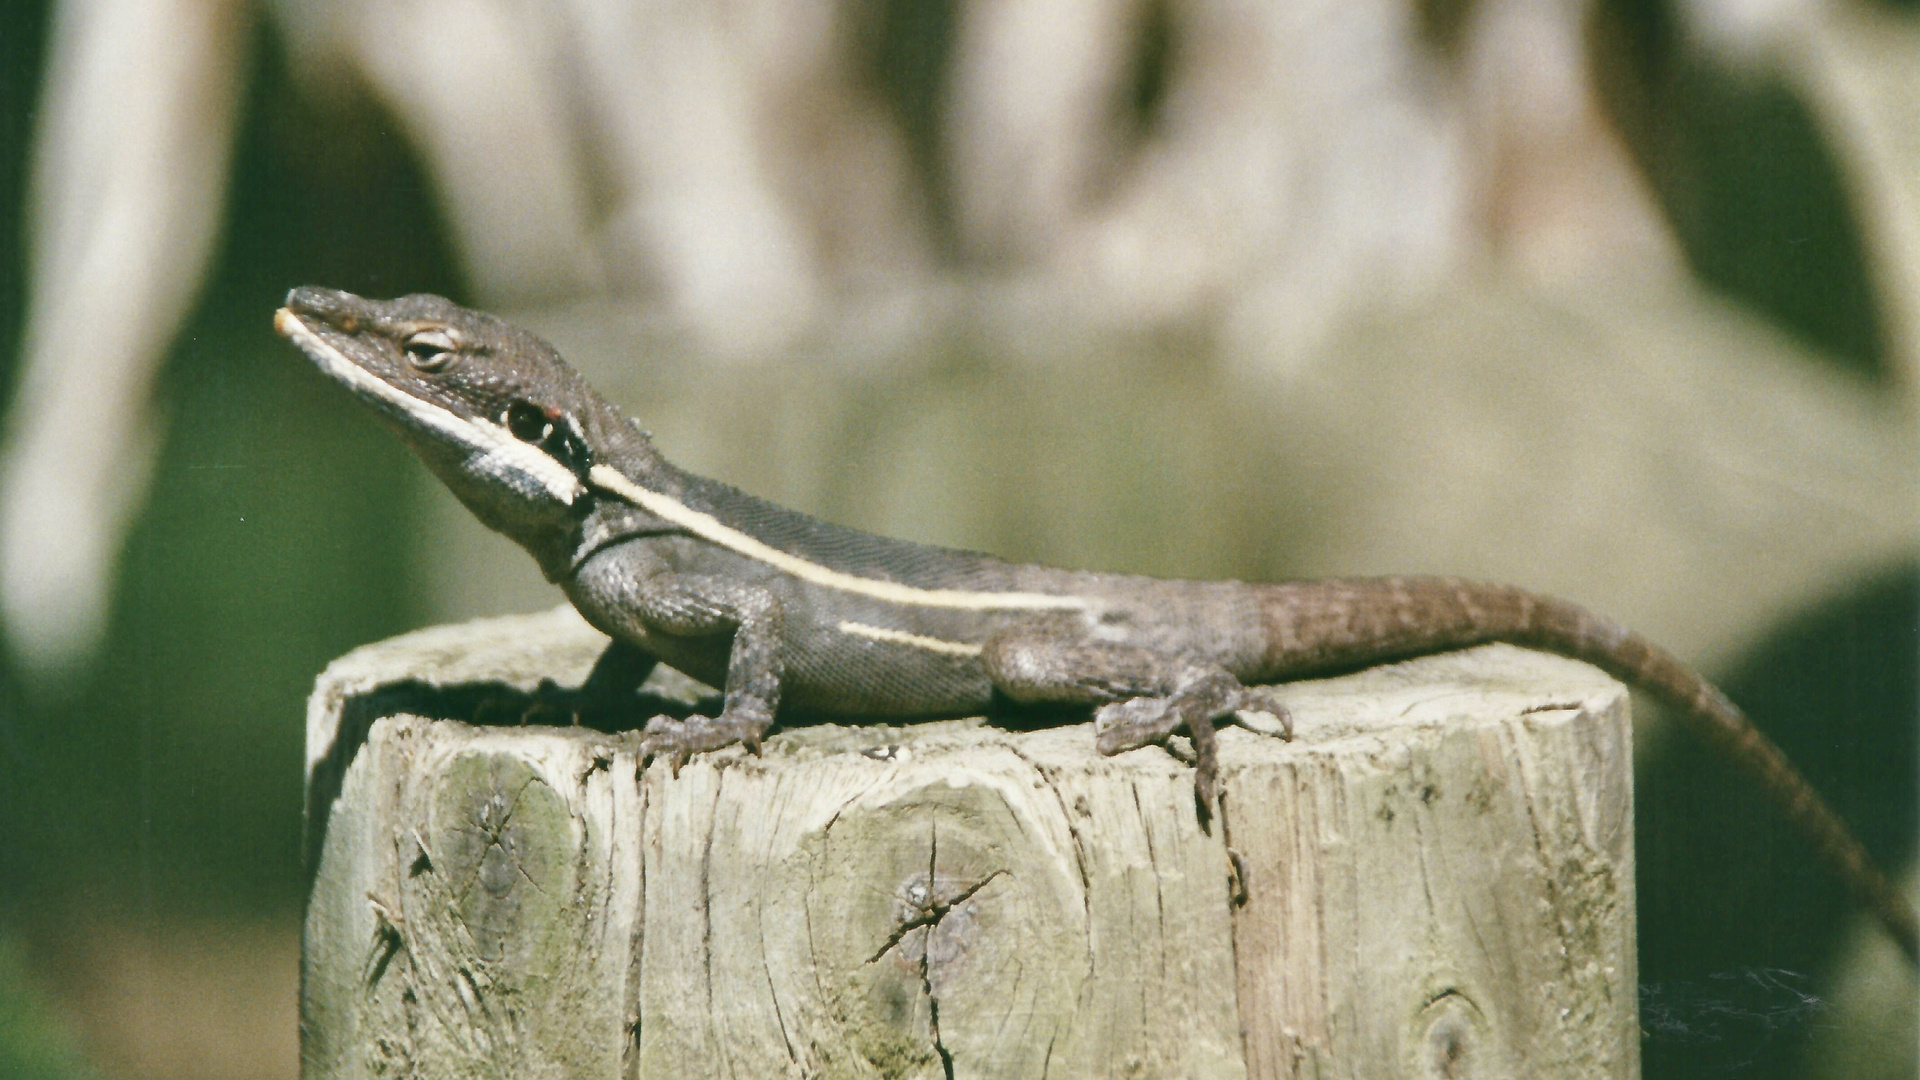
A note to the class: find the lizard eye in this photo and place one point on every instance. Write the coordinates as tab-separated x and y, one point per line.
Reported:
430	350
527	422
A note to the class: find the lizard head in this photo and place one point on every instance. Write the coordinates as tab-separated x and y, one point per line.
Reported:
492	410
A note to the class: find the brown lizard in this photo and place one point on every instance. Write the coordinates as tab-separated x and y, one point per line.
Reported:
796	615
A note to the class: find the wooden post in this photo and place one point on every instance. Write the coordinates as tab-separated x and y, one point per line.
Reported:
1440	883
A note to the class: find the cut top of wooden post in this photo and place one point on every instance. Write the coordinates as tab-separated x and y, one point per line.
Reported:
1439	882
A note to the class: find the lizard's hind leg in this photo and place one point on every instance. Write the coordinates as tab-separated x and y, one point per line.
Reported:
1143	697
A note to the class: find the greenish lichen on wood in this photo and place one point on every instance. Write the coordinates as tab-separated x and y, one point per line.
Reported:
1440	883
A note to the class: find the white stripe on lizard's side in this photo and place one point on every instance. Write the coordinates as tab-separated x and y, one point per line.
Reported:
709	528
496	451
901	637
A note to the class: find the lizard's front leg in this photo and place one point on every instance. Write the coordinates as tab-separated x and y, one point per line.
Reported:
638	602
692	605
1142	696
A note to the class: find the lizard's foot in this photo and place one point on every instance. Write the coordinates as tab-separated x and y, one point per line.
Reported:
1140	721
674	741
1125	725
1142	696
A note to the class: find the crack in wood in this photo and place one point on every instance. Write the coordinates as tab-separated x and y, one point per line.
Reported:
930	912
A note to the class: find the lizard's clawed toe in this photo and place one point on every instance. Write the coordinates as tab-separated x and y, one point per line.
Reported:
665	739
1206	789
1273	721
676	741
1259	710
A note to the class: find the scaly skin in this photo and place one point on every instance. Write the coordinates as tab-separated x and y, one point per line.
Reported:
791	613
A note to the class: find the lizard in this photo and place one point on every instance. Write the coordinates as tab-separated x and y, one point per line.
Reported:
792	615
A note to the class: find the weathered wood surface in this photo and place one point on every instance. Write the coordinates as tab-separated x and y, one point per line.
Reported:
1441	884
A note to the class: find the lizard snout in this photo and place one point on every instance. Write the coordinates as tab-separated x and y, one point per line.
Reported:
330	307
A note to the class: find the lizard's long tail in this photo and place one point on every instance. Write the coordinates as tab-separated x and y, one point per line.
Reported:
1322	625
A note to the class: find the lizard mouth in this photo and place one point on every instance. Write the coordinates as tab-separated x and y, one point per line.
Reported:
487	448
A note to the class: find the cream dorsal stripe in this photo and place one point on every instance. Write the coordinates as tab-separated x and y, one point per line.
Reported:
918	641
709	528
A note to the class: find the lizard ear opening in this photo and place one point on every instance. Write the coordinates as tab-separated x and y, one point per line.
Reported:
558	434
527	422
568	445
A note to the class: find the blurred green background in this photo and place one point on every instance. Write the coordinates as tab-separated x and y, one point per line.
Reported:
153	813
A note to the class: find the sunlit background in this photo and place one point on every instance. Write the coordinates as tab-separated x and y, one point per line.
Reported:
1618	299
